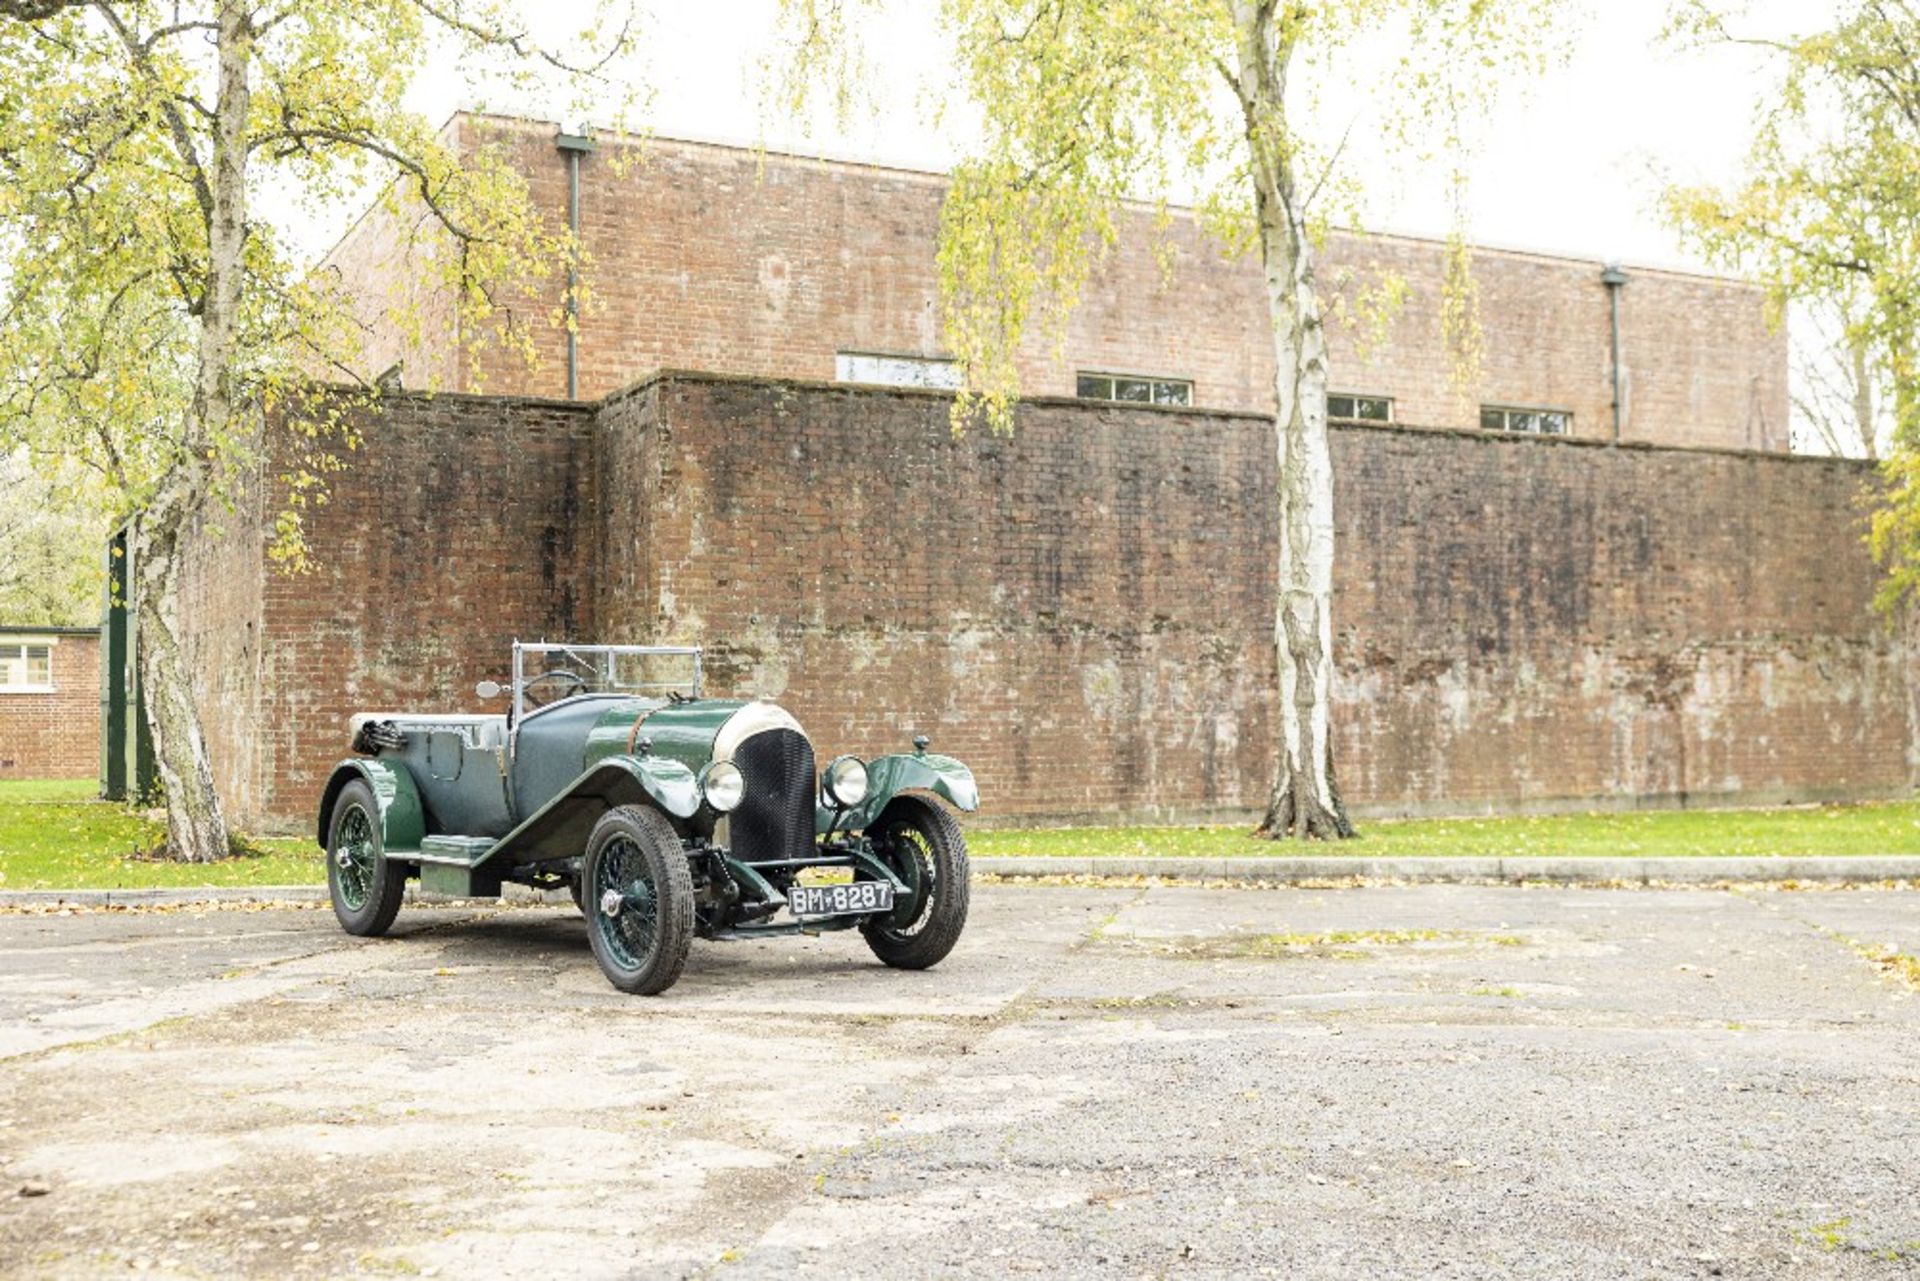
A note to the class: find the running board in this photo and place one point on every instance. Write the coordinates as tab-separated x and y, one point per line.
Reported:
448	863
455	851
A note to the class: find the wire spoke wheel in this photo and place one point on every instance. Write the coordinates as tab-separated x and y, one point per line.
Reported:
907	850
920	841
354	858
637	895
629	902
365	887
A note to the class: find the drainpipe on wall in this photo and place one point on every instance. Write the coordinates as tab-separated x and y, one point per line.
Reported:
574	145
1615	279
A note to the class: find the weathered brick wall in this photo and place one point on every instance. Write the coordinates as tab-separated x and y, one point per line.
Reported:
1700	365
1535	622
709	257
1082	610
55	735
460	524
1075	611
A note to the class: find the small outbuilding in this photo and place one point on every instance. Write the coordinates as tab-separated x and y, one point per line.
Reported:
49	702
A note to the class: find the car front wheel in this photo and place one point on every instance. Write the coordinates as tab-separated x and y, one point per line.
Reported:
365	888
923	845
637	894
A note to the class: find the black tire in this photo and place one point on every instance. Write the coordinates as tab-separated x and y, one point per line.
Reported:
574	888
365	888
924	846
642	943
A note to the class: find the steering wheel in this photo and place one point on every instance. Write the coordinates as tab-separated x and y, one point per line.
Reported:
574	684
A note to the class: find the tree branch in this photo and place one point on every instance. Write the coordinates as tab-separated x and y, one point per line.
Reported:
298	136
37	10
182	136
161	33
518	43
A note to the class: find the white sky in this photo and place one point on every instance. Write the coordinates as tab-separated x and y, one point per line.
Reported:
1572	164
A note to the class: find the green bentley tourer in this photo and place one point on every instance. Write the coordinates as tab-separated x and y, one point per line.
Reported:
668	815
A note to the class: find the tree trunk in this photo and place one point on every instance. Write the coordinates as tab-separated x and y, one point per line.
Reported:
196	828
1305	800
1860	365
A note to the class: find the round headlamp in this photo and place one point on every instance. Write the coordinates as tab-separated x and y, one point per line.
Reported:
723	785
845	782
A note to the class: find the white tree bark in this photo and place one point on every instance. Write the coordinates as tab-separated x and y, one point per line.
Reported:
196	827
1305	800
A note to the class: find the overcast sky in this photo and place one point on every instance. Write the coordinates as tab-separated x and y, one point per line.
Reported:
1571	163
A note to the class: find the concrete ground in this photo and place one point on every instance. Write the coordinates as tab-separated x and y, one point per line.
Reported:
1432	1080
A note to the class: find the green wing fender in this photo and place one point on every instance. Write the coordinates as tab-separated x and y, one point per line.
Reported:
402	821
888	776
560	828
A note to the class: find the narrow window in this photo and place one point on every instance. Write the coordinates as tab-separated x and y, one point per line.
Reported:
885	370
1136	389
1345	407
1534	422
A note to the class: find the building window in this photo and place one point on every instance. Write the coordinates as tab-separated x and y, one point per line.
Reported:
1345	408
1136	389
26	667
936	372
1535	422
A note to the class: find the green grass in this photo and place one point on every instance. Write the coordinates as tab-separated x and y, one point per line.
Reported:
54	835
1892	828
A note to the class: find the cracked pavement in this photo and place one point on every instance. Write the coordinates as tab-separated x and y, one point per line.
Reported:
1435	1080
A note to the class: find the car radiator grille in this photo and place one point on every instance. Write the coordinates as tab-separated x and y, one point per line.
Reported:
775	820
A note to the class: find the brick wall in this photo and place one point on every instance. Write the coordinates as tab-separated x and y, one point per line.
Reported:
460	524
719	258
1081	611
1700	364
1537	623
55	735
1075	611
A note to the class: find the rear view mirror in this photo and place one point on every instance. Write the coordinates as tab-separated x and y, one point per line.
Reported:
487	689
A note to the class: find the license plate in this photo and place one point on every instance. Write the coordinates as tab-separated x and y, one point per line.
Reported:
856	899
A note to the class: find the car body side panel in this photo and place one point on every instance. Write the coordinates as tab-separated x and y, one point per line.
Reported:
550	747
402	820
559	829
463	786
888	776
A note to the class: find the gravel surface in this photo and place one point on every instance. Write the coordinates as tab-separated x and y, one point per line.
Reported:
1434	1080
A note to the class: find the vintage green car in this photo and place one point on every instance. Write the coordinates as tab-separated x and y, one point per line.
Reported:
666	813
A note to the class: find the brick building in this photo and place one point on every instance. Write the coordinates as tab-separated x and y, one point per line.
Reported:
49	702
1525	617
731	260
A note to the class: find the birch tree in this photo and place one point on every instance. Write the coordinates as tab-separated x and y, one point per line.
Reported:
154	153
1827	216
1085	103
